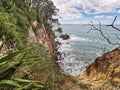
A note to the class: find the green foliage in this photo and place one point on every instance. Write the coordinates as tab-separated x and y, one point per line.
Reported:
9	65
11	62
10	82
45	10
16	17
15	20
7	25
17	83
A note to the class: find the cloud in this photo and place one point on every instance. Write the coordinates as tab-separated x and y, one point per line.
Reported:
101	16
110	17
100	6
73	9
66	10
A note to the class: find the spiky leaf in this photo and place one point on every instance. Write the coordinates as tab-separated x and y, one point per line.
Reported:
10	82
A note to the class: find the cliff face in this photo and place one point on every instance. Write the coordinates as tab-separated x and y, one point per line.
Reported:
44	37
104	73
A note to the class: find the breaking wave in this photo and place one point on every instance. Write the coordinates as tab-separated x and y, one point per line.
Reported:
77	38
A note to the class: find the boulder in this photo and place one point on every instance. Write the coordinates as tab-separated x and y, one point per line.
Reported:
65	36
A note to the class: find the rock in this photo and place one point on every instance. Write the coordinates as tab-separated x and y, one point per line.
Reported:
104	73
44	37
59	30
65	37
58	43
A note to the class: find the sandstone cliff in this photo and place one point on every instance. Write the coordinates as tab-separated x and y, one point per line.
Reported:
104	73
44	37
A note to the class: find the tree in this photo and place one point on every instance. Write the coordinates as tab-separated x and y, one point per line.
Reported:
45	10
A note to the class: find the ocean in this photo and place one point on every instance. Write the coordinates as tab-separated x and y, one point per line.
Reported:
83	48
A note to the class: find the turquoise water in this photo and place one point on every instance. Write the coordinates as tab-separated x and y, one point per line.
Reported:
82	48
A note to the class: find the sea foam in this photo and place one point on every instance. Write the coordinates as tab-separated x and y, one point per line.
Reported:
78	38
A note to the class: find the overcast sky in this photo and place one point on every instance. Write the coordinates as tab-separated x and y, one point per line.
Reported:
84	11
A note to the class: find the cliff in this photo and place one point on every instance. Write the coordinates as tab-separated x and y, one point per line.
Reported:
104	73
44	37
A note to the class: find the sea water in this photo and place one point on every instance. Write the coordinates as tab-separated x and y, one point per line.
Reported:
83	48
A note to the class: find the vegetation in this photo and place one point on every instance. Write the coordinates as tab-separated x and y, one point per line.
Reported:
83	86
16	17
23	65
10	64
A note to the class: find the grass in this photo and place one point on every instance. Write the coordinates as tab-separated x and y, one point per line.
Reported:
83	86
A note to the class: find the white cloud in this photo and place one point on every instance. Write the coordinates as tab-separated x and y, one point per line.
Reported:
103	16
68	11
100	6
100	16
110	17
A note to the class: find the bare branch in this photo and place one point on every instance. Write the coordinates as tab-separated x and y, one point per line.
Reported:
112	25
114	20
93	27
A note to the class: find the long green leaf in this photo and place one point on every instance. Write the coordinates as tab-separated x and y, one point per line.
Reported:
3	63
36	85
10	56
30	86
24	80
26	87
10	82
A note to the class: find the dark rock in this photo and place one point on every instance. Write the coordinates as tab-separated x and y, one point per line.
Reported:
59	30
65	37
58	43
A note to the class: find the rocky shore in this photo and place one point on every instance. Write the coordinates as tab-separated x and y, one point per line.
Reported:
104	73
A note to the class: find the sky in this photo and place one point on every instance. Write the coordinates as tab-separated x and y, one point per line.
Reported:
84	11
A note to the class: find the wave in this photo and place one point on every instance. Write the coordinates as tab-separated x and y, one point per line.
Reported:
86	39
78	38
100	41
71	66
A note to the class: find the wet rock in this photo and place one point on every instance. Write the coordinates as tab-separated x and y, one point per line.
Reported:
65	36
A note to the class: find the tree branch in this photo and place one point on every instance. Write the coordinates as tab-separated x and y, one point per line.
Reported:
93	27
112	25
117	36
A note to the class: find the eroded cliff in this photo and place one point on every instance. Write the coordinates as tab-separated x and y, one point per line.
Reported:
43	36
104	73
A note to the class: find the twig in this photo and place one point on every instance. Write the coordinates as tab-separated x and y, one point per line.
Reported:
112	25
